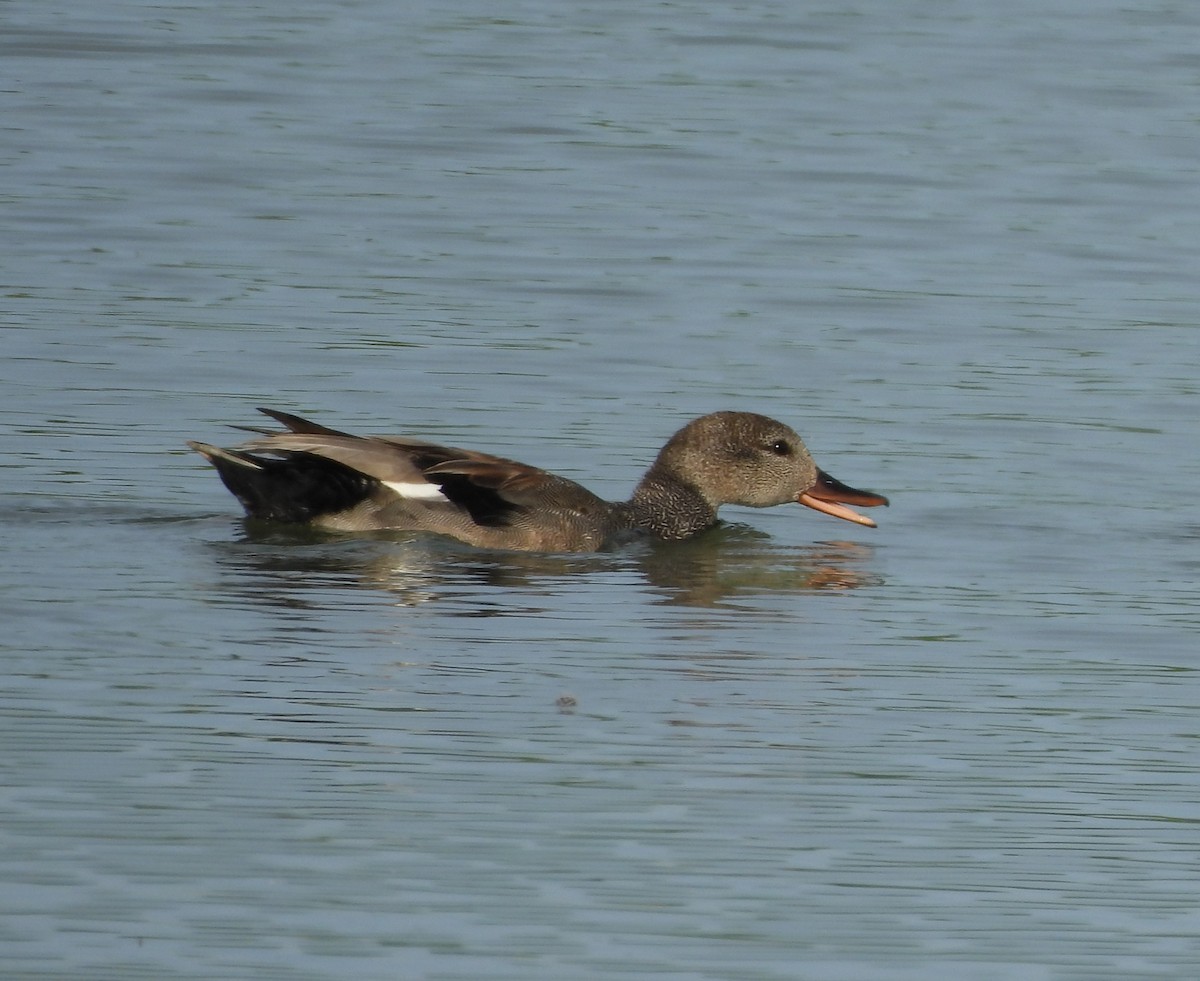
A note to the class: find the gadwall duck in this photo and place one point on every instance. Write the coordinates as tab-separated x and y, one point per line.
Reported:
336	481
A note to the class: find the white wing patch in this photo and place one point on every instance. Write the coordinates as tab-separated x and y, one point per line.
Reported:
416	490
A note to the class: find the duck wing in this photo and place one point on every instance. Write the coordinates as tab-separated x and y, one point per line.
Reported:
416	474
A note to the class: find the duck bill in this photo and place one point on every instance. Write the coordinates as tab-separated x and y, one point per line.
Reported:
831	496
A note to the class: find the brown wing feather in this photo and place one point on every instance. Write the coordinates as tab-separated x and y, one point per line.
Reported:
517	484
300	425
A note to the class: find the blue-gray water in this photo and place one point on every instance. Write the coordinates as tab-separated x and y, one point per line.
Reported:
955	244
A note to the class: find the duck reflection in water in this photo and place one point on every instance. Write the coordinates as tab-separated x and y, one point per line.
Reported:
289	566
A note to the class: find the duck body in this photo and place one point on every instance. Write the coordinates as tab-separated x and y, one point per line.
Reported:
310	474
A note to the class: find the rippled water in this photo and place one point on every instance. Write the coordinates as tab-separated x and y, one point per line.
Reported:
955	245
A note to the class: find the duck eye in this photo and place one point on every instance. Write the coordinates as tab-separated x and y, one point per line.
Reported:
780	448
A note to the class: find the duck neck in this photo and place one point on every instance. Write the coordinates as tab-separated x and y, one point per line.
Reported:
666	507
